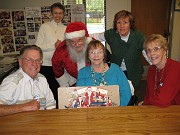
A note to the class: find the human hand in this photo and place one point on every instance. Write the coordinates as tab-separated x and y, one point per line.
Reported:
32	105
57	43
140	103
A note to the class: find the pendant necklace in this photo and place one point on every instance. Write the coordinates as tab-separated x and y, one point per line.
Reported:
159	83
102	83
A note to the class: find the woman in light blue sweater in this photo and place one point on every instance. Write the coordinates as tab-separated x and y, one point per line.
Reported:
101	73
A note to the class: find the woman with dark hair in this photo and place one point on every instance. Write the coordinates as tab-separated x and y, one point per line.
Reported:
49	37
102	73
126	44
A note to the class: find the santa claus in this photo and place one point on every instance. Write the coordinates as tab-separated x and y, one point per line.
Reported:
69	56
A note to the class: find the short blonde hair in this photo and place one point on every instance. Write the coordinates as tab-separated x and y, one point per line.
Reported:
157	38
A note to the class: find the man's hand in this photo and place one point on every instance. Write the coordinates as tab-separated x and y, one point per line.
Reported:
32	105
11	109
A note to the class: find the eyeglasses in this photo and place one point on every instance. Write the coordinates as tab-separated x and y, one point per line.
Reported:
77	42
97	52
155	49
30	60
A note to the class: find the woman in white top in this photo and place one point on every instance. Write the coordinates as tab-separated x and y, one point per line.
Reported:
50	35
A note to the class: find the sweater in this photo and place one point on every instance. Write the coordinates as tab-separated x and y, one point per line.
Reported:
169	92
49	33
113	76
130	51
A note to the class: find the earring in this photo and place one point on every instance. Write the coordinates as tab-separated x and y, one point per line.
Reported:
167	54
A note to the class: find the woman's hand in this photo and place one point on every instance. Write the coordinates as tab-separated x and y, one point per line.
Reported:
57	43
140	103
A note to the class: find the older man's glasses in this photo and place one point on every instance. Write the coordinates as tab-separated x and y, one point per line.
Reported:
30	60
155	49
76	42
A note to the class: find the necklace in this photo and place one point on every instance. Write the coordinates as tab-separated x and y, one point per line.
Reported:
159	83
102	83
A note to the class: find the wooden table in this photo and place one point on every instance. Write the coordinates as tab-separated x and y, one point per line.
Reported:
143	120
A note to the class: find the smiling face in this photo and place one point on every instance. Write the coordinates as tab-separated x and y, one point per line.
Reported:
57	14
123	26
157	54
96	56
156	47
77	43
30	62
96	53
77	48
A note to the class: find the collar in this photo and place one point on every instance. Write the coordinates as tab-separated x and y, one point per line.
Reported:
125	37
27	77
56	24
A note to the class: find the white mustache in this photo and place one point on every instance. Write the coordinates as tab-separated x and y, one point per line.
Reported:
76	46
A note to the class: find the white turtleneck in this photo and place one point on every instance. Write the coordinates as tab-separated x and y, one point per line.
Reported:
48	34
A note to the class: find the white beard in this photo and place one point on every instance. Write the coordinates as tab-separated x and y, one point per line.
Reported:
77	56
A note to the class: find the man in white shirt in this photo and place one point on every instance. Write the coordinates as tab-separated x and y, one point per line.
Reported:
26	89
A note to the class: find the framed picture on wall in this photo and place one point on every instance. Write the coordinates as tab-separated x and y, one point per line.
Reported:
177	5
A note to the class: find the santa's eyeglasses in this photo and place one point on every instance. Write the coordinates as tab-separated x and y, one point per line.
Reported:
75	42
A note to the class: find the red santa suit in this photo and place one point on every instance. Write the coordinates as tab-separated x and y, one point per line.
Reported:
89	97
65	69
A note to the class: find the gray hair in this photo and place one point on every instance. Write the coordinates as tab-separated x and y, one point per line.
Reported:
31	47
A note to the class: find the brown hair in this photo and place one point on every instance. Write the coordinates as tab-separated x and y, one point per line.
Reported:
94	44
123	14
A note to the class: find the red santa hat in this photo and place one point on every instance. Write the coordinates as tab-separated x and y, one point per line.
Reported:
75	30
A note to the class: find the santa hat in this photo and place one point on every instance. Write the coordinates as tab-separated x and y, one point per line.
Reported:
75	30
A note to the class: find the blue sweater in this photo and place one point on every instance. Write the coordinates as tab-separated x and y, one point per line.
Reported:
113	76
